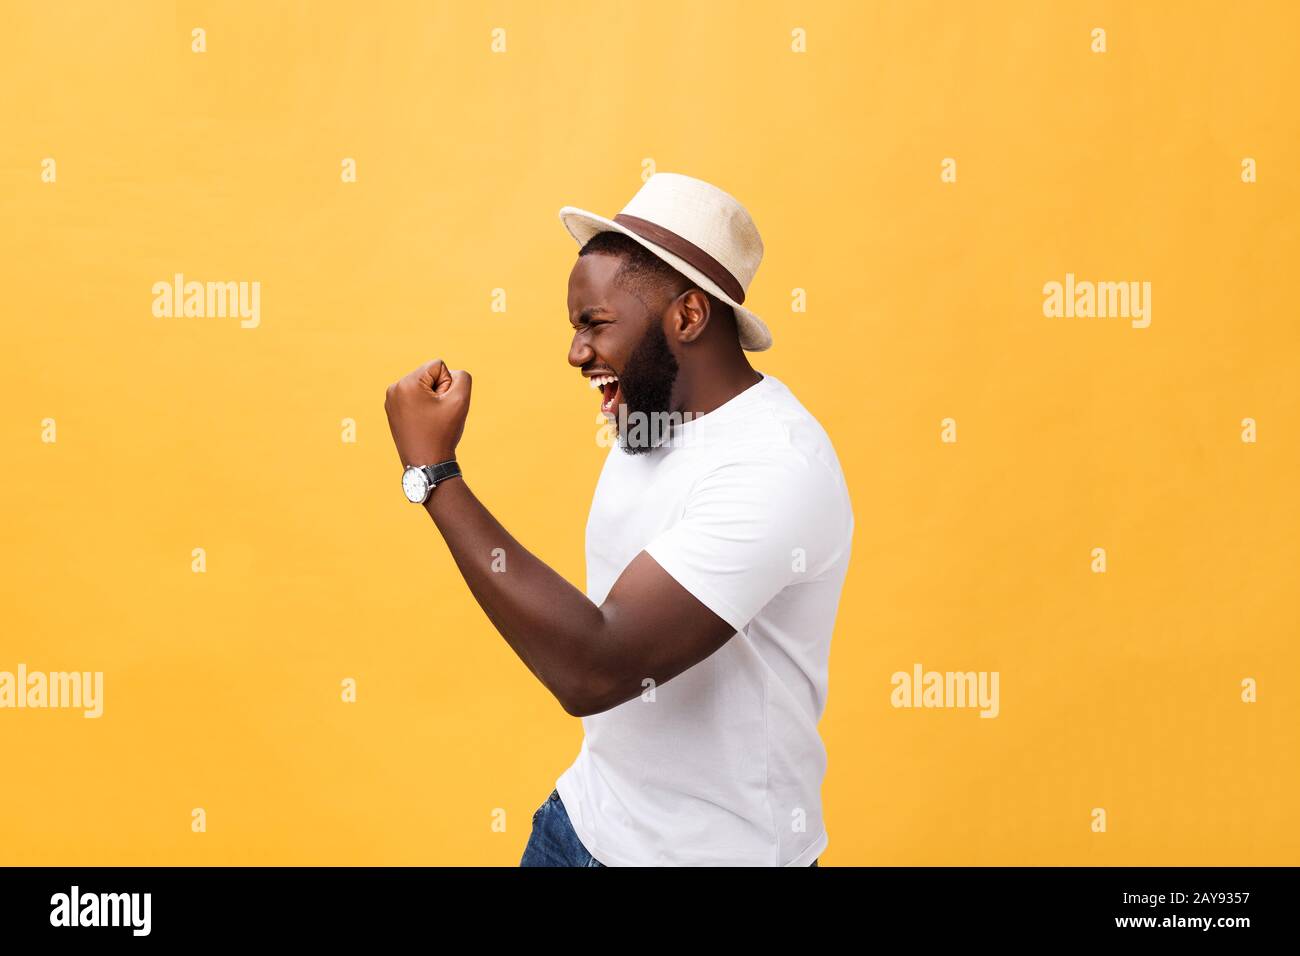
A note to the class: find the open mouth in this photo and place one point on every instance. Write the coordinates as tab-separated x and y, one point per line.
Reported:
610	392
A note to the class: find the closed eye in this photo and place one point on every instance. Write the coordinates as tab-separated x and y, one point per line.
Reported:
586	315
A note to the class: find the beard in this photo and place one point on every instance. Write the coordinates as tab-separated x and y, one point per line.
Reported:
647	385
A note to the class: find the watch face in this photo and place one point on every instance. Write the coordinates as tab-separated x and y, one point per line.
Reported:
415	484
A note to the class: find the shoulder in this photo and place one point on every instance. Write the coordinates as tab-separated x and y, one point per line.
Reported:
791	481
784	435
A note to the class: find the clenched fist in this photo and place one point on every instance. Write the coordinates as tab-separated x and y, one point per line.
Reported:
426	413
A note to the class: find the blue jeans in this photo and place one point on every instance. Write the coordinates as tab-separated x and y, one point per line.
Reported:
553	841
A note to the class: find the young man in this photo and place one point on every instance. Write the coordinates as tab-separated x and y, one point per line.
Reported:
717	545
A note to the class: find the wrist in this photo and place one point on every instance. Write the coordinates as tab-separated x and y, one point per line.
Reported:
420	481
439	501
435	457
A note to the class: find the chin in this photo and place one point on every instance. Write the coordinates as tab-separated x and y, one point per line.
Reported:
633	449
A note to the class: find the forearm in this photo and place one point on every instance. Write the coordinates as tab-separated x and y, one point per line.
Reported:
648	627
553	627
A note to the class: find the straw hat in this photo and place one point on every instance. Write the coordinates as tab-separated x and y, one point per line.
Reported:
699	230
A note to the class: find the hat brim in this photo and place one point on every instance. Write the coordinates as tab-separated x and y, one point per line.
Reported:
582	225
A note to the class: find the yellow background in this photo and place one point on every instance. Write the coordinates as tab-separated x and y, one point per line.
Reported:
1118	690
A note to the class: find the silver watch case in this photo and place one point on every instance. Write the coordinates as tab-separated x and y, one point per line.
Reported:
416	484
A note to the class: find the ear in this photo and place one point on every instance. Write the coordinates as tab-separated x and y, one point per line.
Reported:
690	314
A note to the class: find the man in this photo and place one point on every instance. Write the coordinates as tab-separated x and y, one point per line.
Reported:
717	545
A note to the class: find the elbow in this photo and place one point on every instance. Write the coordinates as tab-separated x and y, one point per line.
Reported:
586	708
574	705
575	708
589	695
595	680
582	701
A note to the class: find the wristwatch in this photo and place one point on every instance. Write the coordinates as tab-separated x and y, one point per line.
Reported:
419	480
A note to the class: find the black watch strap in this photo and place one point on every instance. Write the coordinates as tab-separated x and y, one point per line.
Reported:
441	471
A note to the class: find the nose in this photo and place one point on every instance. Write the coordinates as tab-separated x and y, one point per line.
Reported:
580	353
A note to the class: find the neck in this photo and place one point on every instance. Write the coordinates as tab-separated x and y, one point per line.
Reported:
702	389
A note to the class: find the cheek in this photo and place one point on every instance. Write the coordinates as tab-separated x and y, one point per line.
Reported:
613	353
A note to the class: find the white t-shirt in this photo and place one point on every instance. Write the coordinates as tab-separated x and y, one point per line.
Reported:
747	509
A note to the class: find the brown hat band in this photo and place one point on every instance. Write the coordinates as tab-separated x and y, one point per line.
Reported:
684	249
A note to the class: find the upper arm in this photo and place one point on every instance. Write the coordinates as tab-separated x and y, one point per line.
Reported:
736	545
654	628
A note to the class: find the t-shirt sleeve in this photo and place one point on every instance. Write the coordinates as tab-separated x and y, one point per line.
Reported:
749	529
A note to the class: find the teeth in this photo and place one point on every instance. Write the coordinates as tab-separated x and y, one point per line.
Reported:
600	381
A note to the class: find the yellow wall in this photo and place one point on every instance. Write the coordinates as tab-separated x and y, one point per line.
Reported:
1119	690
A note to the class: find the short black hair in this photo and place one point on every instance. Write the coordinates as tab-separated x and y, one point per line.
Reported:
643	273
